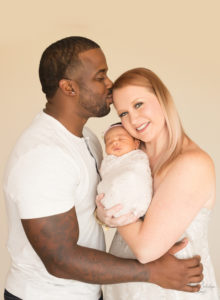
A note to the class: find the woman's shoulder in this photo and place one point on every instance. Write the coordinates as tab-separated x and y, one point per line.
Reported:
195	168
192	153
194	160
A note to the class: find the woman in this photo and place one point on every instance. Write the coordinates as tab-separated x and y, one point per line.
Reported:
183	187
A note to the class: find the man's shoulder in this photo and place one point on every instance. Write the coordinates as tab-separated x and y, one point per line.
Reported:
41	142
37	134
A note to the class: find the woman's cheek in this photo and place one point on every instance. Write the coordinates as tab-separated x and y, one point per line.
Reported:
130	129
126	125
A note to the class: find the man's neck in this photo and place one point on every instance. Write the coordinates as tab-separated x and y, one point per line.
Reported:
72	122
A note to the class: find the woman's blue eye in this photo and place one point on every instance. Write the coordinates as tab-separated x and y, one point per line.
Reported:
122	114
137	105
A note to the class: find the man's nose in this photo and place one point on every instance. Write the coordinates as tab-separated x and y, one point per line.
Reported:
108	83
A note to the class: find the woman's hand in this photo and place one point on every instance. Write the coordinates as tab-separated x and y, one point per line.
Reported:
106	216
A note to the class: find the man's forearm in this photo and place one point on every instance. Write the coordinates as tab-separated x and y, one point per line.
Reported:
93	266
55	239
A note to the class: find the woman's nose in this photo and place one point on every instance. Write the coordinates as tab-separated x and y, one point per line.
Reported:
133	118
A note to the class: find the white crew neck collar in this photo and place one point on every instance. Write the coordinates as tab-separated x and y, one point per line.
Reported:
69	134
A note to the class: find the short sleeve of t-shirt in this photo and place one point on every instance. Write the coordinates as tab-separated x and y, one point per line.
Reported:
44	182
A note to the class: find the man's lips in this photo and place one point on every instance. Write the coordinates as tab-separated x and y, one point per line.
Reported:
109	98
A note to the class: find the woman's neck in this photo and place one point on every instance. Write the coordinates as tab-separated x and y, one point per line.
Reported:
156	147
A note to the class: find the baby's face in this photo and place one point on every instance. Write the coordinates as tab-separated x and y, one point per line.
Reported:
118	141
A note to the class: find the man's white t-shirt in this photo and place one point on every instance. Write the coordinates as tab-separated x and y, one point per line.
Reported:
50	171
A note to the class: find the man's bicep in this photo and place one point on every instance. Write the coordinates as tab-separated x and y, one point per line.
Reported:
43	183
53	238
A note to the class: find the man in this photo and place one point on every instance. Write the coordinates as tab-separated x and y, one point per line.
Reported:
56	246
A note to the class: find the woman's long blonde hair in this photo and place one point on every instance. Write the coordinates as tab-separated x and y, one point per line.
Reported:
146	78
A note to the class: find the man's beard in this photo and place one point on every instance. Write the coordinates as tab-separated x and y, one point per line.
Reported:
95	108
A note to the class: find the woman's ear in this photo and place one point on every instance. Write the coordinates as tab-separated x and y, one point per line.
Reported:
69	87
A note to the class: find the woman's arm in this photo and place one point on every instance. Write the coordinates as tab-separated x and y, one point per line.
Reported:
187	187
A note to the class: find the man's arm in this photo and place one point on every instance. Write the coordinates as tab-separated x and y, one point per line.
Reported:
55	239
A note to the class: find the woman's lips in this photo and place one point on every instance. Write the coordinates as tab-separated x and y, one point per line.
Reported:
142	127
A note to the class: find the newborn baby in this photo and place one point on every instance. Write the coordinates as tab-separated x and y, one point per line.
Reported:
125	172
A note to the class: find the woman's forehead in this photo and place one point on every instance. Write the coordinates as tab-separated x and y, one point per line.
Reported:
130	93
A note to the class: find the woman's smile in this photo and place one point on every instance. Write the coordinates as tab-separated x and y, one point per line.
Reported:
142	127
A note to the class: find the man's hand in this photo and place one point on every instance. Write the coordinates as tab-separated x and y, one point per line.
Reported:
106	216
172	273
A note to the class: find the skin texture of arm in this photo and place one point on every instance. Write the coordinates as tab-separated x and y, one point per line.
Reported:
187	187
55	238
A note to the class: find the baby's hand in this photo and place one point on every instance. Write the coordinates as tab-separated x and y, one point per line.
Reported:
106	216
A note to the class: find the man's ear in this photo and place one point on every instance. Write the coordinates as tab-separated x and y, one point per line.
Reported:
69	87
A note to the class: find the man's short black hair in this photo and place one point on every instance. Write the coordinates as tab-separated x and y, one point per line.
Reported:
58	58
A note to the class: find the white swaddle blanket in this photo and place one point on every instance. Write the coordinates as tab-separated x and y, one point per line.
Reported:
126	180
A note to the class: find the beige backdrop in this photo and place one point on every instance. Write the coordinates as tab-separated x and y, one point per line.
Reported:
179	40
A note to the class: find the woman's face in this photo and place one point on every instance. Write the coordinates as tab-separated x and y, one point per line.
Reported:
140	112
